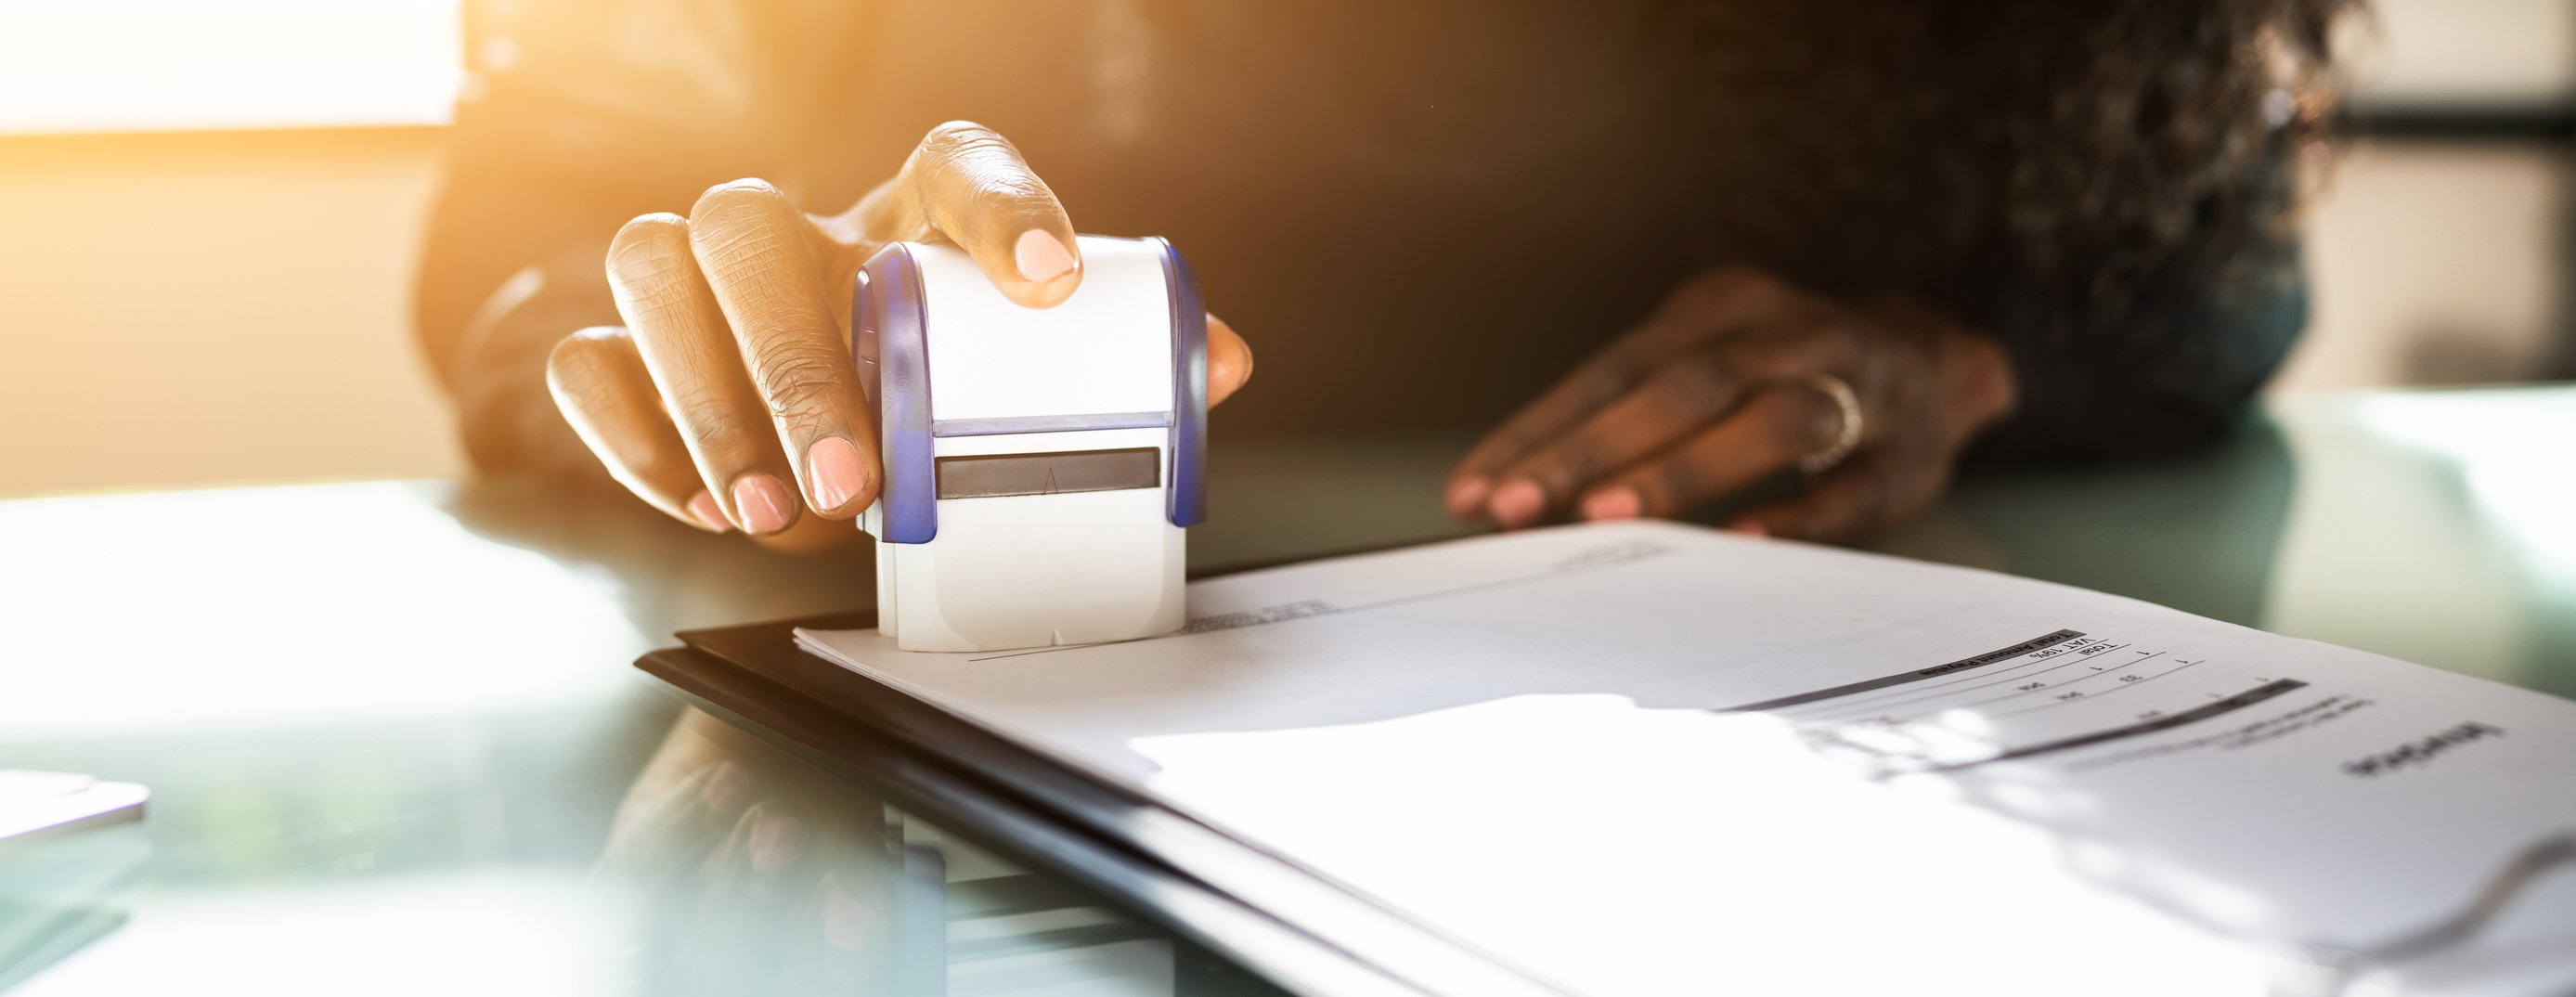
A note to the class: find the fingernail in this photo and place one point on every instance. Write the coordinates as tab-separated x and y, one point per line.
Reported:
1748	528
763	503
704	507
775	841
837	471
1518	504
1466	495
1617	503
1041	257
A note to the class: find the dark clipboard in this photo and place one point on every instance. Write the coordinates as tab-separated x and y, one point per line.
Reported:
1256	911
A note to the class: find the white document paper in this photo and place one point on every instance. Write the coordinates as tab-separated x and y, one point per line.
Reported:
1654	759
34	804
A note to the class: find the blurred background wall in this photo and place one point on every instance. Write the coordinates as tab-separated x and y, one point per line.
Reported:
2439	249
209	212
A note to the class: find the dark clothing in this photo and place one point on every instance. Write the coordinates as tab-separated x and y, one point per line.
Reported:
1419	214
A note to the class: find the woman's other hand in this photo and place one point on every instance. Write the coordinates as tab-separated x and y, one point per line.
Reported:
1731	382
727	399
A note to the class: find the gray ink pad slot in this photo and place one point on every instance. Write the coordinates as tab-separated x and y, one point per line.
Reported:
997	475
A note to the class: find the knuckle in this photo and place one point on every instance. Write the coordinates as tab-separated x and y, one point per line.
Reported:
735	196
1005	195
974	166
705	410
1695	378
648	246
1772	355
589	363
732	247
802	380
1823	335
570	381
967	151
579	354
649	228
957	132
970	144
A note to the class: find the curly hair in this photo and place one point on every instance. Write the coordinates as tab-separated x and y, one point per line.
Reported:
2076	146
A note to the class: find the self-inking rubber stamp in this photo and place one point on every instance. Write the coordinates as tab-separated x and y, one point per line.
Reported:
1041	464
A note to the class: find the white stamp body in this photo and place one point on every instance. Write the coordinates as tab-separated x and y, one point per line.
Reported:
1041	465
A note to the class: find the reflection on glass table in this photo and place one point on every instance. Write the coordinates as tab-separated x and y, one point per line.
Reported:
395	742
741	868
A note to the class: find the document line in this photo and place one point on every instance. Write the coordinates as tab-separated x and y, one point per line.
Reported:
1983	680
2006	653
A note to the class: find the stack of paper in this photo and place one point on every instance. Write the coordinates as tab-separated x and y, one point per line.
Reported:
1648	758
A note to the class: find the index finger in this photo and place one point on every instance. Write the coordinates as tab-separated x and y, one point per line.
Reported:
968	183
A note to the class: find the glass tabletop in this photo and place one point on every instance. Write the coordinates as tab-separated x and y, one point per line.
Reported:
395	743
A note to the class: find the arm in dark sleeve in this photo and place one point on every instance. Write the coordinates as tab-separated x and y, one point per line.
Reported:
576	116
2168	368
